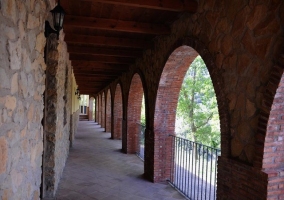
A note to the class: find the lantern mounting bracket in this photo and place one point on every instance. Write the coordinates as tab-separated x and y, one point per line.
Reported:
49	30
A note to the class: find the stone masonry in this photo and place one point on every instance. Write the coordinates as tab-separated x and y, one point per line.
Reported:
24	94
22	84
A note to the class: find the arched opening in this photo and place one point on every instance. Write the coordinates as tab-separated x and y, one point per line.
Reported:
165	109
117	109
103	111
197	140
134	115
108	111
178	155
273	156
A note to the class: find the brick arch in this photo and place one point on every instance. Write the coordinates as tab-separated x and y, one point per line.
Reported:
183	53
108	111
103	111
273	153
117	113
133	114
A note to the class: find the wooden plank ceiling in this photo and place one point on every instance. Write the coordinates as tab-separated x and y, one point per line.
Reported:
105	37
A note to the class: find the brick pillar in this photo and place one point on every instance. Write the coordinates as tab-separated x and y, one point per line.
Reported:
108	112
117	129
103	111
133	113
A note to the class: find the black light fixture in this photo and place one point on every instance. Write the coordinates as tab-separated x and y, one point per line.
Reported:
79	97
58	14
77	92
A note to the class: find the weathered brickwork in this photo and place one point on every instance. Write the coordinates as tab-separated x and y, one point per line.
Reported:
22	84
248	182
273	148
242	46
117	113
97	109
108	111
100	109
134	114
103	111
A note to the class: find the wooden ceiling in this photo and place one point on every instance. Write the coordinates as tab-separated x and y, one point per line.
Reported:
105	37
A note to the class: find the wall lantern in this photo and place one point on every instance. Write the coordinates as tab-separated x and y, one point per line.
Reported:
79	97
58	14
77	92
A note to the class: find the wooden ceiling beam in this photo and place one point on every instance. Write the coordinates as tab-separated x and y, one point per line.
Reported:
95	79
167	5
116	25
102	72
97	75
79	64
102	59
107	41
103	51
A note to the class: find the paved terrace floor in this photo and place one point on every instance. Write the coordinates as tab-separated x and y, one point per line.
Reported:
97	169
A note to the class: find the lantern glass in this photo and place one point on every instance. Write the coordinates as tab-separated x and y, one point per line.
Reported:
58	14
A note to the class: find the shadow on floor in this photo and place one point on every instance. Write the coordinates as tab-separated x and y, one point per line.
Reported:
97	169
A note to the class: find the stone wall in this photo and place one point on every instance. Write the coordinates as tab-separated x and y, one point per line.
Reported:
57	113
63	79
22	84
74	118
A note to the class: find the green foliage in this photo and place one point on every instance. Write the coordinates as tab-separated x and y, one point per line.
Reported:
143	116
197	110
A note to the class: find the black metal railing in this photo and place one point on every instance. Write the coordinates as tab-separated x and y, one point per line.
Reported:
194	169
141	141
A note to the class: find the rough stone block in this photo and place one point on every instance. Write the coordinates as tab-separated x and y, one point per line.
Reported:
3	154
14	84
11	103
9	9
15	52
33	22
4	80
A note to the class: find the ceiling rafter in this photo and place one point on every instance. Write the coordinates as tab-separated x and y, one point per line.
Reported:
103	51
167	5
116	25
95	65
102	58
107	41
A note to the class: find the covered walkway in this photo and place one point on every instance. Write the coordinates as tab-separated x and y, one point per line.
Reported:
97	169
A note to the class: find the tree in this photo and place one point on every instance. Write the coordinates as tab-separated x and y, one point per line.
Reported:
197	106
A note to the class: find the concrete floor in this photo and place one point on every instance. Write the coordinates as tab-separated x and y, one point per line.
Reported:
97	169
